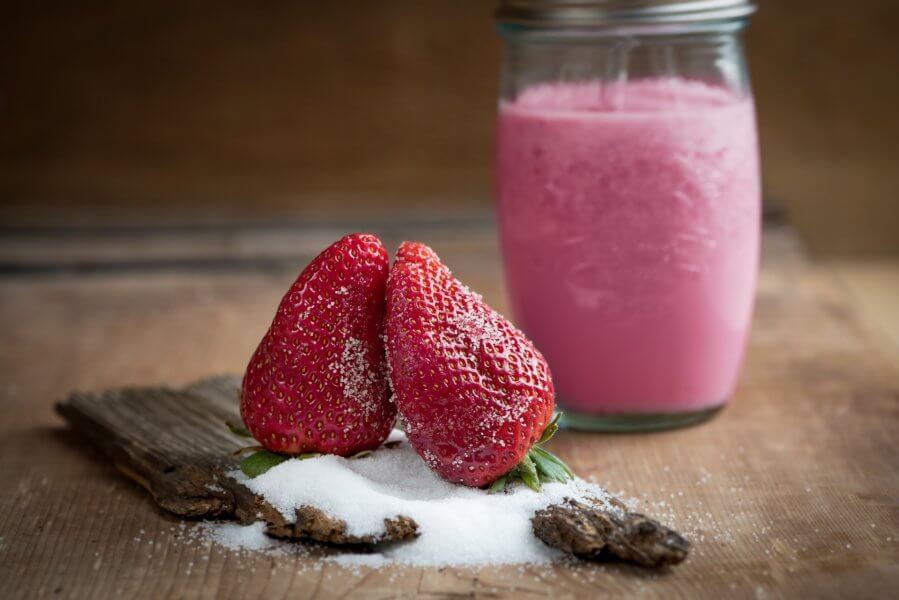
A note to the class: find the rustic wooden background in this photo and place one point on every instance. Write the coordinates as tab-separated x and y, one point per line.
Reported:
148	111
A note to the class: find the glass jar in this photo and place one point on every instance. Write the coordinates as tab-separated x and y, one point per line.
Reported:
628	202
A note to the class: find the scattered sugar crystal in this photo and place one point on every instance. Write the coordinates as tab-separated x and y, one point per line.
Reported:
240	537
458	525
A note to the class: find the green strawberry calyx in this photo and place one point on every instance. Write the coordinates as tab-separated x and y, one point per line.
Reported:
538	466
261	460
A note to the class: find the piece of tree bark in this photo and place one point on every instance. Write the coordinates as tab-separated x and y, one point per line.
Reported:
313	524
175	444
592	531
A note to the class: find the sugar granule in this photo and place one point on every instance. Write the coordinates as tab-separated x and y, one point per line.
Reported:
457	525
240	537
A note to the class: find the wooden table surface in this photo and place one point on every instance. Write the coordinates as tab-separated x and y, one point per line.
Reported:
792	491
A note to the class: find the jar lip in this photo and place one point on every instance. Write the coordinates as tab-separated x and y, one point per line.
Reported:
595	13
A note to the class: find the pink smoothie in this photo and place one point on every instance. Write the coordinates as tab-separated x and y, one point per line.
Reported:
629	218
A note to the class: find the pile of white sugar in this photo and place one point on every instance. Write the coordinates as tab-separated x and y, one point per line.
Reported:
457	525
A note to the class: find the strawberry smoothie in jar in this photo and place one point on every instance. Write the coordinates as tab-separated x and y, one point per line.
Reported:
628	202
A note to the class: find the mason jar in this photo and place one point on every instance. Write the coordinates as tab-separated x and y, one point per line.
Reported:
628	202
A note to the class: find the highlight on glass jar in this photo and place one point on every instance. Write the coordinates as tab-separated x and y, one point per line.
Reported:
628	202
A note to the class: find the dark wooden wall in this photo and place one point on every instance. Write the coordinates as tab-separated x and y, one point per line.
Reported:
196	110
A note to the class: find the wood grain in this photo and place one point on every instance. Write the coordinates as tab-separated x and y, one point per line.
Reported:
874	284
792	491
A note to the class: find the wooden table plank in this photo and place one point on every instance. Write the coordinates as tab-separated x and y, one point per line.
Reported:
792	491
875	285
236	246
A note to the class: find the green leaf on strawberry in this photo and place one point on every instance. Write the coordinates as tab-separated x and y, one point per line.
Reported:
499	485
551	429
538	466
259	462
549	467
262	460
528	472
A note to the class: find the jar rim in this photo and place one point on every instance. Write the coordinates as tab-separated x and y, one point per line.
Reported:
592	13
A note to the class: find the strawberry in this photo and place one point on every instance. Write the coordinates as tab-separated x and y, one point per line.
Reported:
475	395
316	383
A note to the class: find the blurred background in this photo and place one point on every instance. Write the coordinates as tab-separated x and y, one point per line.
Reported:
152	113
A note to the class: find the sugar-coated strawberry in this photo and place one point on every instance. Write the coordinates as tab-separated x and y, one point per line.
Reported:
475	395
317	381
